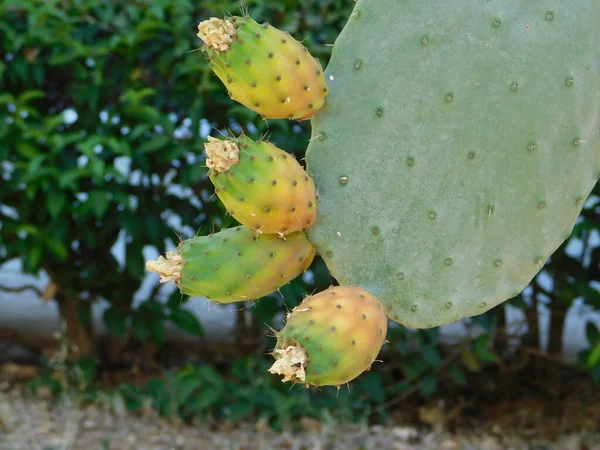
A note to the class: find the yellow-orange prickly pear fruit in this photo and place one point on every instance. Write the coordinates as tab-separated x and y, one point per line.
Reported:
331	338
263	68
262	186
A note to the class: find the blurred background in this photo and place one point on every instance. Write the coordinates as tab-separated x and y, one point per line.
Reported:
104	108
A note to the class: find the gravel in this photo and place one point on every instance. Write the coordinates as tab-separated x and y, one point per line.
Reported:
30	422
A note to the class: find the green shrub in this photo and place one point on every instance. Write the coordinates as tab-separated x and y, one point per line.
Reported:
101	111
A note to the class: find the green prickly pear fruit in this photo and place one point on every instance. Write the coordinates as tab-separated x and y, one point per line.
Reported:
262	186
263	68
331	338
235	264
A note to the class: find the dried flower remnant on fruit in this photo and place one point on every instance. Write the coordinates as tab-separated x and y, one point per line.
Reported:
291	362
222	155
168	268
217	34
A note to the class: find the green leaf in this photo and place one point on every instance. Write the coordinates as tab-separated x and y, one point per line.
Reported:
27	149
55	203
592	333
431	356
211	376
99	201
470	361
203	400
154	143
398	388
458	374
28	228
58	248
116	322
135	97
157	330
6	98
139	130
85	371
134	259
34	166
413	368
33	94
134	398
239	410
403	346
157	390
371	383
481	350
186	321
196	115
428	385
187	387
97	168
594	357
140	327
69	179
34	258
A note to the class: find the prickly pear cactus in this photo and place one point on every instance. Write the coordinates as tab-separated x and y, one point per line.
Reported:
331	338
235	264
262	186
456	148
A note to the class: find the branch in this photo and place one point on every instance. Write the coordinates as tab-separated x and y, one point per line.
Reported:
543	291
22	289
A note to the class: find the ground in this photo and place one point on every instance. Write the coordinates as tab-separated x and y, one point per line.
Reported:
29	422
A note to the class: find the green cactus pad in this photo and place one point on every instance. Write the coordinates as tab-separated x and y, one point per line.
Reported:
235	264
456	149
331	338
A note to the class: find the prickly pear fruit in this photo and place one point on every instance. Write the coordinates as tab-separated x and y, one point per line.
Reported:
262	186
263	68
331	338
235	264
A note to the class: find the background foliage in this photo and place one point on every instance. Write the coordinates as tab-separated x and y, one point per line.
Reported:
103	111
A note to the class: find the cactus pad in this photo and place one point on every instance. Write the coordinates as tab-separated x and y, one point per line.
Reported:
265	188
235	264
331	338
456	149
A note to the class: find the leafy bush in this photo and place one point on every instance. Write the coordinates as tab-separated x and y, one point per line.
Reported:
102	111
